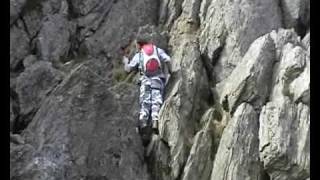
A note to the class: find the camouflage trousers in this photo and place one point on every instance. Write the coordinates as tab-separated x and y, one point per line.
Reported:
151	99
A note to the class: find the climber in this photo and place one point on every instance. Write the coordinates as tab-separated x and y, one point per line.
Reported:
155	69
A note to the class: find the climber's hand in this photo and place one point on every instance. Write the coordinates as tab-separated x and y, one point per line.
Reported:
125	60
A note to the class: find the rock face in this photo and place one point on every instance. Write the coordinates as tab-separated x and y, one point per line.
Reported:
237	105
284	131
229	27
33	85
250	80
238	154
73	143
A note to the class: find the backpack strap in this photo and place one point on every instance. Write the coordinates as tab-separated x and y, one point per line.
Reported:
158	53
141	68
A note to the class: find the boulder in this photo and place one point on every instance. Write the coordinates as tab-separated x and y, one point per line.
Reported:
291	65
282	37
296	14
84	129
187	99
238	152
12	116
284	130
33	86
169	11
284	135
16	7
19	47
199	163
51	47
300	87
112	26
29	60
158	159
229	28
250	80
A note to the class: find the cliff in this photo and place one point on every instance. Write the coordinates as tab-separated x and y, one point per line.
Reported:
237	106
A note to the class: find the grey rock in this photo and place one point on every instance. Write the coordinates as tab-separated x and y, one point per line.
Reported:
238	153
82	8
292	63
188	97
84	127
19	46
300	87
250	80
12	115
284	135
281	37
16	138
29	61
51	47
284	121
191	9
296	14
34	85
55	7
306	41
78	134
118	29
170	10
20	159
158	158
32	18
231	26
188	21
16	7
199	163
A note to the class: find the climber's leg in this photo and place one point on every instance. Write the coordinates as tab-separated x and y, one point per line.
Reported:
156	102
145	104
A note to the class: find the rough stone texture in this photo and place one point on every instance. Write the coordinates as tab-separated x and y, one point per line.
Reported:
141	12
238	153
231	26
292	63
52	47
199	163
15	9
158	158
84	129
34	85
284	131
187	98
169	11
250	80
29	60
296	14
285	140
12	115
306	42
78	134
19	46
300	87
283	36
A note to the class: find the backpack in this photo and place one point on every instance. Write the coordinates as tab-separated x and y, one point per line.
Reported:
149	60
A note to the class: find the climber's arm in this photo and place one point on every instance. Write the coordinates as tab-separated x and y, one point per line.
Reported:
130	65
